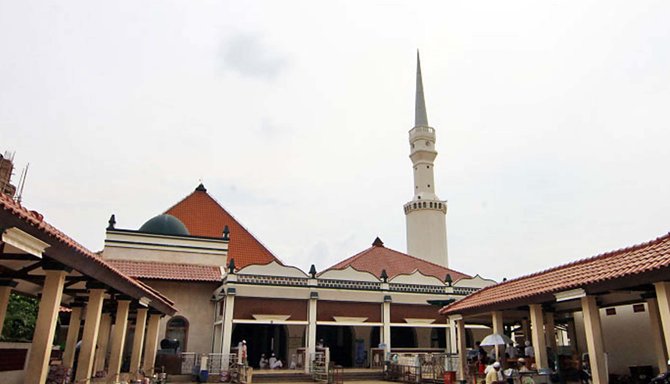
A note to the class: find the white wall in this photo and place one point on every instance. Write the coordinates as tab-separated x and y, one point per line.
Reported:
193	302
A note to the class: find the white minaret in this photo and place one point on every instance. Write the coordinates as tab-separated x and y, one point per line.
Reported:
426	213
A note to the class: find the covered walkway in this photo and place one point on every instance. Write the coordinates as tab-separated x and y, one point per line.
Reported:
576	295
38	260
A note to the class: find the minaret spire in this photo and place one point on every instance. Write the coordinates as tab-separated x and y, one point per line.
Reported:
420	117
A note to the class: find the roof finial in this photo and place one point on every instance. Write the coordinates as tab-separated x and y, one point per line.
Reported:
420	117
111	222
378	242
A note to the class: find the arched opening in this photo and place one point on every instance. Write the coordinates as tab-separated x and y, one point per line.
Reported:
262	339
438	338
177	329
340	341
401	337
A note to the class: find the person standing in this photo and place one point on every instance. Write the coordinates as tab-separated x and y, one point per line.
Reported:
529	351
495	376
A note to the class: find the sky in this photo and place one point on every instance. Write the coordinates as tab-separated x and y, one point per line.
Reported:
552	120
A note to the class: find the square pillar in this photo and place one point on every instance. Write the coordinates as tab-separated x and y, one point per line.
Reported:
6	287
498	327
118	338
151	345
663	300
550	331
453	338
462	349
657	335
525	328
386	319
90	334
311	330
103	342
45	326
228	314
138	340
537	332
72	335
594	339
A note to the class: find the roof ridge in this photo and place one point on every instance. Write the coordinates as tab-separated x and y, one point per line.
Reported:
430	262
232	216
361	253
350	258
162	263
585	260
577	263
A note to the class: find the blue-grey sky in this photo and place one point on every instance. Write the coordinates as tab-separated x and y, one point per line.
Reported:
553	120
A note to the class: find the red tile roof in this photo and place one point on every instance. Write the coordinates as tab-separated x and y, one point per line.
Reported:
378	257
79	256
621	264
164	271
204	216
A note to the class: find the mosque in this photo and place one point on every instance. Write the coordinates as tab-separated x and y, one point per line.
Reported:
229	287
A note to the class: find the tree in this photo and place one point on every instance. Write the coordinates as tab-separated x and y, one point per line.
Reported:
21	317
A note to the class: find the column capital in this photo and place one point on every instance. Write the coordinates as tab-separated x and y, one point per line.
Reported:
92	284
122	297
50	265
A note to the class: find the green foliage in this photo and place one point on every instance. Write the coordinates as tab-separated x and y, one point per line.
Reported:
20	319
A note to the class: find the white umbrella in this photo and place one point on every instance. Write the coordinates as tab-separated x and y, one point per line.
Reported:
496	339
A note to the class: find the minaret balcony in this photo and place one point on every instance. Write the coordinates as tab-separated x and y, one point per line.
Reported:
422	132
426	205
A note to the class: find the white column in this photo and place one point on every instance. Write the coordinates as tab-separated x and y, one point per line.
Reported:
594	339
5	290
40	351
138	340
497	321
453	338
151	345
386	319
311	329
228	314
72	335
462	349
103	342
663	299
537	331
90	334
118	338
657	335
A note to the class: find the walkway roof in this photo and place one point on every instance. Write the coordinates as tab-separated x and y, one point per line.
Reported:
16	264
630	270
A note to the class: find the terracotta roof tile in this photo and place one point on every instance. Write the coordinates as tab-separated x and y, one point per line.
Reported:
378	257
36	220
165	271
619	264
204	216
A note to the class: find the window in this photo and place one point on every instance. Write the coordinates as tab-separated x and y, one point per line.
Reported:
177	328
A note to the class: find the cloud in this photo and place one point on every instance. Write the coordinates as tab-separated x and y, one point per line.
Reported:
248	55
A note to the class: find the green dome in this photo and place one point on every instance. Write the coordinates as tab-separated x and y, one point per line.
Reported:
165	225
